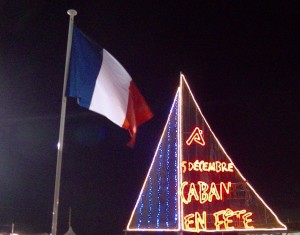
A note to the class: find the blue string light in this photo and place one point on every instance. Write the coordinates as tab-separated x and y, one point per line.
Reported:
158	204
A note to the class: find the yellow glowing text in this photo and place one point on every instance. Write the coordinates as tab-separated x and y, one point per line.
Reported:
228	218
224	220
203	166
203	192
195	222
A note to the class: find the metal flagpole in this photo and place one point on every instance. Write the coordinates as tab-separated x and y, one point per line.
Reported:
71	13
70	211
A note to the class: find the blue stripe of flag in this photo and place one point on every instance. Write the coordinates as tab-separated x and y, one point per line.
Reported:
85	63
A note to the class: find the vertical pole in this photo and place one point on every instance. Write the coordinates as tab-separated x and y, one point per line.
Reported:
180	152
70	211
71	13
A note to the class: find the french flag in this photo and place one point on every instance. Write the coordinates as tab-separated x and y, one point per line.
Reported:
101	84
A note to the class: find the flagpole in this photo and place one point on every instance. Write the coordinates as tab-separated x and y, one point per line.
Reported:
72	14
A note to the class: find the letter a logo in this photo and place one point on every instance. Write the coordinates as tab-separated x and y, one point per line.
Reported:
196	136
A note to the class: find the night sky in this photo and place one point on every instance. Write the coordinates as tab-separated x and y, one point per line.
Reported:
241	60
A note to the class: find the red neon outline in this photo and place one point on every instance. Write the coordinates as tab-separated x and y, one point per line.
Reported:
196	136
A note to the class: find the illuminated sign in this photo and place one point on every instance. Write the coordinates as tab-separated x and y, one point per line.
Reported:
198	192
193	185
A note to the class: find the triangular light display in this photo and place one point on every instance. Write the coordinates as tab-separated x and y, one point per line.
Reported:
193	185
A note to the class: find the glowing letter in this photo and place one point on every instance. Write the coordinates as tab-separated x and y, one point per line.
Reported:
200	221
212	166
218	222
230	167
238	216
203	187
213	192
189	220
227	214
191	166
218	166
223	186
246	220
192	193
183	165
185	201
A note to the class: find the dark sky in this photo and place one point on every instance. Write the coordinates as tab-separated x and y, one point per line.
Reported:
241	59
